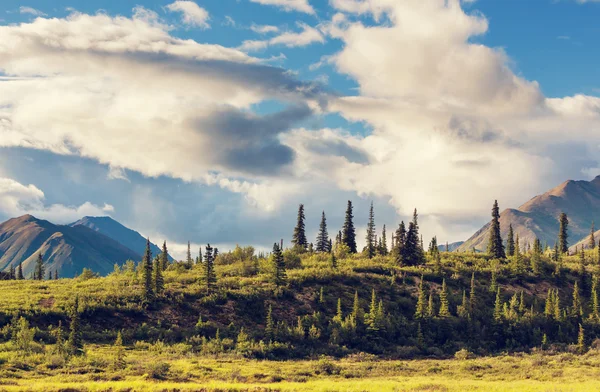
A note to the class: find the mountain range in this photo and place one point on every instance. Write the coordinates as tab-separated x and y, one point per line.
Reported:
96	243
538	218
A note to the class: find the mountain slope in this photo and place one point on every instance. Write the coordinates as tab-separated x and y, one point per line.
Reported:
64	249
115	230
538	218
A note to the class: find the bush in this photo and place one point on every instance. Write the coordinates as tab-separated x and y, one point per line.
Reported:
463	354
158	370
326	366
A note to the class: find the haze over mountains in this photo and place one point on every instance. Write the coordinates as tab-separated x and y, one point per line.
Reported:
580	200
96	243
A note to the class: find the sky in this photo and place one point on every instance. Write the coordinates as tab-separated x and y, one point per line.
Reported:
209	121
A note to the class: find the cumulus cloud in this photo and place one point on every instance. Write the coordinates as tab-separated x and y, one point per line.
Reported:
192	14
264	29
307	36
17	199
289	5
125	92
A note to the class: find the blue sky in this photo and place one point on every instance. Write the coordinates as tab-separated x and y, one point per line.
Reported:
171	122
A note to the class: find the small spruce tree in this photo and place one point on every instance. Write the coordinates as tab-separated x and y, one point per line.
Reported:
280	276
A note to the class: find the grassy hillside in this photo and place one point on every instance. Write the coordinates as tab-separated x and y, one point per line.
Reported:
176	338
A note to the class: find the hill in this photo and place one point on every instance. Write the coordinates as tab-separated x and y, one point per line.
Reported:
538	218
451	247
64	249
115	230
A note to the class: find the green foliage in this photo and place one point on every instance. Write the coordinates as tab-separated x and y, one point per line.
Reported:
299	237
495	246
323	237
563	233
147	273
348	232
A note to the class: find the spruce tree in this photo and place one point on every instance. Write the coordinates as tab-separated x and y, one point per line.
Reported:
299	237
576	308
384	247
495	246
159	282
333	261
581	340
39	268
348	232
188	260
510	241
356	314
119	359
536	257
269	325
20	272
563	233
430	306
595	311
55	274
472	296
210	279
147	271
592	240
75	342
400	241
370	238
444	305
498	306
412	250
12	273
421	309
323	236
280	276
164	257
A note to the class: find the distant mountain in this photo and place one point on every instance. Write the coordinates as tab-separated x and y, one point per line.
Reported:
65	249
580	200
113	229
451	247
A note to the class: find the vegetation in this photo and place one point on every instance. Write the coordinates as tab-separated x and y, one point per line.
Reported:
365	315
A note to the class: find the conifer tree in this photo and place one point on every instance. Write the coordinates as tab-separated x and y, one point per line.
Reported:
472	296
510	242
370	238
498	306
348	232
189	261
421	305
576	308
55	274
119	360
13	273
39	268
299	237
412	251
595	311
75	342
384	247
20	272
581	340
463	308
494	281
536	257
592	240
430	306
495	246
200	258
147	271
60	347
339	314
400	241
333	261
269	325
164	257
444	306
210	279
323	237
280	276
563	233
159	282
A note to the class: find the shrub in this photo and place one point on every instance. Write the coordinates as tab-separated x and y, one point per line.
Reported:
463	354
158	370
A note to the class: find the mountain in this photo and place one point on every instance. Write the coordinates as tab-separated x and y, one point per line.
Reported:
66	249
580	200
113	229
451	247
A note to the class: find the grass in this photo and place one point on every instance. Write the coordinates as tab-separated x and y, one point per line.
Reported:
183	372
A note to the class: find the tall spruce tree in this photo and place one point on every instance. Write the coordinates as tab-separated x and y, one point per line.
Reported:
563	233
444	305
592	239
210	278
147	271
159	282
412	251
384	247
75	342
164	257
38	274
400	241
421	310
348	232
299	236
188	260
510	241
280	276
20	272
370	237
495	246
323	236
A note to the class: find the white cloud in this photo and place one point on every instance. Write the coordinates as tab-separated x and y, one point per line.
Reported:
289	5
193	14
264	29
17	199
31	11
307	36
